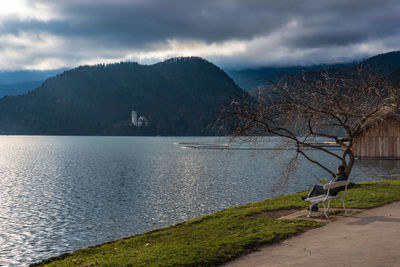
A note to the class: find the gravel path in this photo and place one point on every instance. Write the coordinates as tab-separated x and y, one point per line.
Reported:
369	238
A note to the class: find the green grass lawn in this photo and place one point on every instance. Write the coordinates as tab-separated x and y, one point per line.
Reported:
222	236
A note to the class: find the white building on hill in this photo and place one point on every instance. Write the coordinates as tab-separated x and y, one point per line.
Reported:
134	119
141	122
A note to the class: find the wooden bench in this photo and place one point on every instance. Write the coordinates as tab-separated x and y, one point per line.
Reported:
323	198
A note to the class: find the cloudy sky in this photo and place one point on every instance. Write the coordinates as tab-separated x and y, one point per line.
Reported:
51	34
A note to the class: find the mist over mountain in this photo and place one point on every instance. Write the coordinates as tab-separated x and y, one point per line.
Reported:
19	82
18	88
252	78
23	76
180	96
248	79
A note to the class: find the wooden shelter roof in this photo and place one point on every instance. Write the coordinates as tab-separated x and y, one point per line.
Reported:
386	113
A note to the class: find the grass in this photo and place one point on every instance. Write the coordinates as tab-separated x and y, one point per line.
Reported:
222	236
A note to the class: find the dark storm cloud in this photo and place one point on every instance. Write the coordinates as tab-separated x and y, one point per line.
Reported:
213	21
141	22
15	26
346	24
144	25
326	37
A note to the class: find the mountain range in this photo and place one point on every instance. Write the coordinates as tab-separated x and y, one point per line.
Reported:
180	96
251	78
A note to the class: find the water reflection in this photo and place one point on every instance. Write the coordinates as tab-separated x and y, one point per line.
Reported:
370	169
59	194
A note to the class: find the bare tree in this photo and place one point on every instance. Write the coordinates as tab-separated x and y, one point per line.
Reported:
332	105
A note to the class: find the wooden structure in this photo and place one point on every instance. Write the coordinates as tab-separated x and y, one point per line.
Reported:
379	139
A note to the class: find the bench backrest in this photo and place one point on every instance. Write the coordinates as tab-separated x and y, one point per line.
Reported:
336	184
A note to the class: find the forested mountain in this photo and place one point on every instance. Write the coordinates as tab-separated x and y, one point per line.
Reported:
250	79
179	97
384	63
258	81
395	76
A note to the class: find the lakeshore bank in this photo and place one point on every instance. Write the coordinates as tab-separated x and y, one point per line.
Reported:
222	236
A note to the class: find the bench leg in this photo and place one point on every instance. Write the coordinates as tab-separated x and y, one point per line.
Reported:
309	210
325	210
345	211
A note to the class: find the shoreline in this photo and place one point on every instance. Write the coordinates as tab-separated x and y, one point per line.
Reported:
223	236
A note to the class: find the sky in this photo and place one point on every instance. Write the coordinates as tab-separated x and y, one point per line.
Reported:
53	34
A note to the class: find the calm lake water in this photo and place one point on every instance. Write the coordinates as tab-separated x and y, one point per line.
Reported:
59	194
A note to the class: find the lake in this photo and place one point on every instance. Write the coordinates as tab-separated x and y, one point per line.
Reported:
63	193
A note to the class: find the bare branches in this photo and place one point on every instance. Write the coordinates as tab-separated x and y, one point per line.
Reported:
335	105
316	162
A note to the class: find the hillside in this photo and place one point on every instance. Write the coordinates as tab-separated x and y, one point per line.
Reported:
395	77
384	63
179	97
251	78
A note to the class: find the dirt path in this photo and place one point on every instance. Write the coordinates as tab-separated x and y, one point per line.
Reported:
369	238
